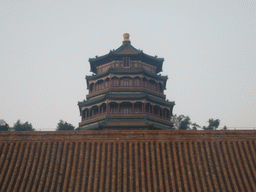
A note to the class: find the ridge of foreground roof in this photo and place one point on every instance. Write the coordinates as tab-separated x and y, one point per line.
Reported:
128	161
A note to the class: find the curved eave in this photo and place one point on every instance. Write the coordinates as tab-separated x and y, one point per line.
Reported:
91	101
125	71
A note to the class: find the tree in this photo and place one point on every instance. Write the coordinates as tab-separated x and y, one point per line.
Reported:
64	126
175	122
3	125
184	122
213	124
18	126
225	128
195	126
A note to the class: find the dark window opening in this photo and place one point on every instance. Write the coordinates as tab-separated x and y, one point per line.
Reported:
126	62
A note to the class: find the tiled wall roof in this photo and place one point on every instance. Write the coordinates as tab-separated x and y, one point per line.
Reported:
128	161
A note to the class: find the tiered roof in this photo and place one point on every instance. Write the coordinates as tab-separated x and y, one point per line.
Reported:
128	161
126	50
134	90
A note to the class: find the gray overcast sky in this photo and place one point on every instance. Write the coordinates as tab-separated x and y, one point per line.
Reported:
208	47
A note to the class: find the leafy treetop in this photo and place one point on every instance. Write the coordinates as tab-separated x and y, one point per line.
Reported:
213	124
3	126
64	126
19	126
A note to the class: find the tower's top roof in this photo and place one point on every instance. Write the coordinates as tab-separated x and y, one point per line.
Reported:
126	50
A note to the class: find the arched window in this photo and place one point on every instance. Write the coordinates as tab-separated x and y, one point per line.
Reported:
113	107
99	85
160	85
103	108
166	113
94	111
152	84
107	83
145	82
157	110
91	87
148	108
126	82
126	108
137	81
138	107
85	114
115	81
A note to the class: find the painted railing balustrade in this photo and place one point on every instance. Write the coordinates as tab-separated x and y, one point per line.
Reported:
126	108
125	82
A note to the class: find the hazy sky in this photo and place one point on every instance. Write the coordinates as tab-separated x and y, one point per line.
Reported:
209	47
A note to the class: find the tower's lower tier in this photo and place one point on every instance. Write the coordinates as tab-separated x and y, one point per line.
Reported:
126	122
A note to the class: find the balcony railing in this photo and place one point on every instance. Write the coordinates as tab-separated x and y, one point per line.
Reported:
115	86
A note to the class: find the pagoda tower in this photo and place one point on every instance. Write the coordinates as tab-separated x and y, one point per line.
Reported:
126	92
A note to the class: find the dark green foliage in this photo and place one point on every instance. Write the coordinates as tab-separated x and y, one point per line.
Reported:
64	126
195	126
184	122
18	126
225	128
4	127
213	124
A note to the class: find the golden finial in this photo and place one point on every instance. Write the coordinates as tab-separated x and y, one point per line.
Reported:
126	38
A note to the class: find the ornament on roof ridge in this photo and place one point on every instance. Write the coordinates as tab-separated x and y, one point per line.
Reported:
126	38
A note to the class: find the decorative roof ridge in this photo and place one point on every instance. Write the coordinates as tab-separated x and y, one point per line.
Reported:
116	51
170	135
119	49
